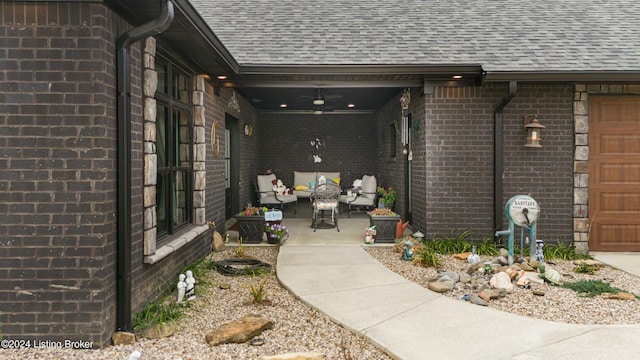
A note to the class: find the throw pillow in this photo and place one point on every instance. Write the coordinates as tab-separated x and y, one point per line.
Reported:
336	180
301	187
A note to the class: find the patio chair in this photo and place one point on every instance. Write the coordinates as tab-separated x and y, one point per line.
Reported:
362	199
326	198
268	197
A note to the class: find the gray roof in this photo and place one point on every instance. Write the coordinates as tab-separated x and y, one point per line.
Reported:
506	35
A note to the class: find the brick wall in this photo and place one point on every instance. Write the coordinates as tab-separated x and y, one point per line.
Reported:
57	190
458	152
285	145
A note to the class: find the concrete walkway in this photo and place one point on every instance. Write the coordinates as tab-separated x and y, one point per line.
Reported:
410	322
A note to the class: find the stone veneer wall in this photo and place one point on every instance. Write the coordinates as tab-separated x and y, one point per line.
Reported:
151	251
581	155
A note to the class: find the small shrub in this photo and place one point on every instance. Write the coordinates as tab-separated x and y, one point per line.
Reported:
240	253
590	288
258	292
157	313
427	256
562	251
487	247
584	268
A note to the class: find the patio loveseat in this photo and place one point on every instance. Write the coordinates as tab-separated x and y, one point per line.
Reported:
304	182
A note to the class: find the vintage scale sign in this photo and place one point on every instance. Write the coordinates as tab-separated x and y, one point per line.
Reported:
521	210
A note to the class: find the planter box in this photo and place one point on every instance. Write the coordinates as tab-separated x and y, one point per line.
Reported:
251	229
385	227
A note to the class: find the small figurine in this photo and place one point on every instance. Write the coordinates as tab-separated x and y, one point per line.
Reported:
474	258
182	286
407	253
539	251
523	281
368	235
191	286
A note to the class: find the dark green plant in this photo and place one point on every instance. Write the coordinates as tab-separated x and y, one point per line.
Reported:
562	251
157	313
590	288
427	256
451	245
487	247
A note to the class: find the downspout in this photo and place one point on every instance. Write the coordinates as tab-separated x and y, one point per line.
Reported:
498	166
124	42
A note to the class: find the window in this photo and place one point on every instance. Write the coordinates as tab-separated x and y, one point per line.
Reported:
174	146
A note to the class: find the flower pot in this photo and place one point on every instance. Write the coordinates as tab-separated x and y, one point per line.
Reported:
385	227
251	228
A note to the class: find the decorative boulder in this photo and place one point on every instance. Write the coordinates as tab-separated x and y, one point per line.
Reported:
501	281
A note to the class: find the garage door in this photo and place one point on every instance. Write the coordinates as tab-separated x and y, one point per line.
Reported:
614	173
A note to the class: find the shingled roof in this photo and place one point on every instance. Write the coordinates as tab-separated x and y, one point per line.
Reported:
501	36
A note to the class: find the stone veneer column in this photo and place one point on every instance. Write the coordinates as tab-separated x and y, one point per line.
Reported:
150	84
581	169
199	151
581	224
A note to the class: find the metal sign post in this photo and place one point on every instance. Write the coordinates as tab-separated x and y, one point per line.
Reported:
521	210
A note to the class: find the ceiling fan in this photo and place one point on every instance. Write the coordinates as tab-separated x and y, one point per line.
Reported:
319	101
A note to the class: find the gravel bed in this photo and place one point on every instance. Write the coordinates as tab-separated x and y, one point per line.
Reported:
299	328
558	304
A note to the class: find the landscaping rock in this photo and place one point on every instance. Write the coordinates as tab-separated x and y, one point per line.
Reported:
620	296
464	277
158	331
123	338
475	299
538	292
440	286
526	267
501	281
492	293
502	260
239	331
462	256
218	243
448	276
295	356
534	277
589	262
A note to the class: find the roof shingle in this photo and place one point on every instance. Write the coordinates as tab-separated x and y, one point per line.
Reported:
507	35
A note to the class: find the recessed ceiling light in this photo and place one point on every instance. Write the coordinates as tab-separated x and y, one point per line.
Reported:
283	105
222	77
318	102
457	76
351	105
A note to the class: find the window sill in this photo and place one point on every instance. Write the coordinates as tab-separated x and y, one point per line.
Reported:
175	244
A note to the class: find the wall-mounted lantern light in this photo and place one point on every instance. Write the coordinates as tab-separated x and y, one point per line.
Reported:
534	130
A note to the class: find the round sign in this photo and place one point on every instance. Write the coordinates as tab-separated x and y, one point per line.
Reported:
522	210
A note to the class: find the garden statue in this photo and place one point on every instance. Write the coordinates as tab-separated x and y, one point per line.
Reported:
539	251
474	258
190	292
523	281
368	235
182	286
407	252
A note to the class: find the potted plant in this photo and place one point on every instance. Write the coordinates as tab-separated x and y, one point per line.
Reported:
387	196
385	222
251	224
277	233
